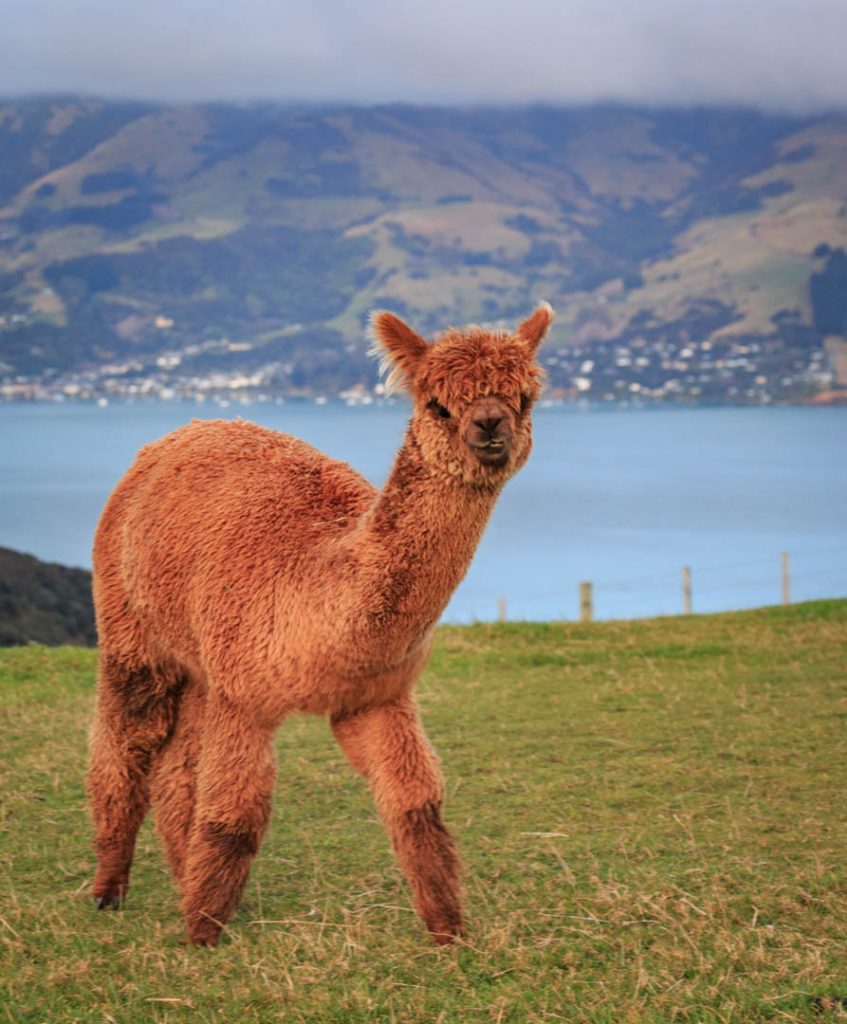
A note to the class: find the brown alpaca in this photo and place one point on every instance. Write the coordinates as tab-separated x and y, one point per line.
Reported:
240	575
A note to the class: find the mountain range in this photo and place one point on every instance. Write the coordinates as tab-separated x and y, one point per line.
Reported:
202	240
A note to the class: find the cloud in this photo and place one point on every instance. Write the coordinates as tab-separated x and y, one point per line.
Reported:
775	54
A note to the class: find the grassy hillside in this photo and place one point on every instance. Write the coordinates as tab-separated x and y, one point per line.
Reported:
127	231
651	815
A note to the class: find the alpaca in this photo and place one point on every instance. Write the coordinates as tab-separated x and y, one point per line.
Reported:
240	575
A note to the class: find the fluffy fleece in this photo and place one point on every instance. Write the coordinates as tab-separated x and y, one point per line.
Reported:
240	575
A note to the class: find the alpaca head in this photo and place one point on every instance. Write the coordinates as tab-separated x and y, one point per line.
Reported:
473	391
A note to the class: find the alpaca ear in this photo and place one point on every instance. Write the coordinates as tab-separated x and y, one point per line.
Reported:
400	350
533	329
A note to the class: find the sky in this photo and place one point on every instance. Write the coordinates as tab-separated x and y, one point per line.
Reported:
786	55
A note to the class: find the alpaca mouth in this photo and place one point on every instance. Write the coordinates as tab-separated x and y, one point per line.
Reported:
493	453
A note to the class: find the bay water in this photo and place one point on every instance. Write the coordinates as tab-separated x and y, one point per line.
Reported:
621	497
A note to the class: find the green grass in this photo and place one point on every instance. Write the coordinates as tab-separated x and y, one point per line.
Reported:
652	817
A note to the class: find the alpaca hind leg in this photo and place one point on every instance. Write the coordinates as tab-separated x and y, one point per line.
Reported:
173	781
235	780
389	746
136	709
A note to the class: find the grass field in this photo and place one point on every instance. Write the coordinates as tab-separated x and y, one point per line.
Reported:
652	817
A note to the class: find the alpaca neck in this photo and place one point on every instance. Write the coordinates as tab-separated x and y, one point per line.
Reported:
417	540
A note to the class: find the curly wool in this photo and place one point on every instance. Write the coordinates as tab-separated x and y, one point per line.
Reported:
240	575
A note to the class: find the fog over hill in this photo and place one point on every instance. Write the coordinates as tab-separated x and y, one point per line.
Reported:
690	254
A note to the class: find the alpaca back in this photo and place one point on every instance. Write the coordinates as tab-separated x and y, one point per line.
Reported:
216	531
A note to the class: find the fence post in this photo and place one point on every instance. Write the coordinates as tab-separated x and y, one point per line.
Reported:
501	609
586	602
686	590
786	578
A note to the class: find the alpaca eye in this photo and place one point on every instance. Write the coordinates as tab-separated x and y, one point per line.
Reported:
526	402
442	410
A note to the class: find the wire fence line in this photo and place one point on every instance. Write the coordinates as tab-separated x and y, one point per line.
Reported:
785	577
704	570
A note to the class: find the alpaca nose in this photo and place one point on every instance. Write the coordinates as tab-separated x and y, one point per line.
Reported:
488	423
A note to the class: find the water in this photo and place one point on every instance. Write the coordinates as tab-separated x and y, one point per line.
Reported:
623	498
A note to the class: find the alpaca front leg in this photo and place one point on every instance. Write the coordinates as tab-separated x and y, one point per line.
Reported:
389	746
427	855
235	780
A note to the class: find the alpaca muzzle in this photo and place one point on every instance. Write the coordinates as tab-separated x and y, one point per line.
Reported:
489	432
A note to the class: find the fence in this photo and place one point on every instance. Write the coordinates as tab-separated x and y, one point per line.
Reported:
691	584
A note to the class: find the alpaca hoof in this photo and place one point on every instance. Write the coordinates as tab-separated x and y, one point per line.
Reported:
108	902
110	891
110	894
205	933
445	933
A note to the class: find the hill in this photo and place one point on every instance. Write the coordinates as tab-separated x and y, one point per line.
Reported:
44	603
142	245
650	814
